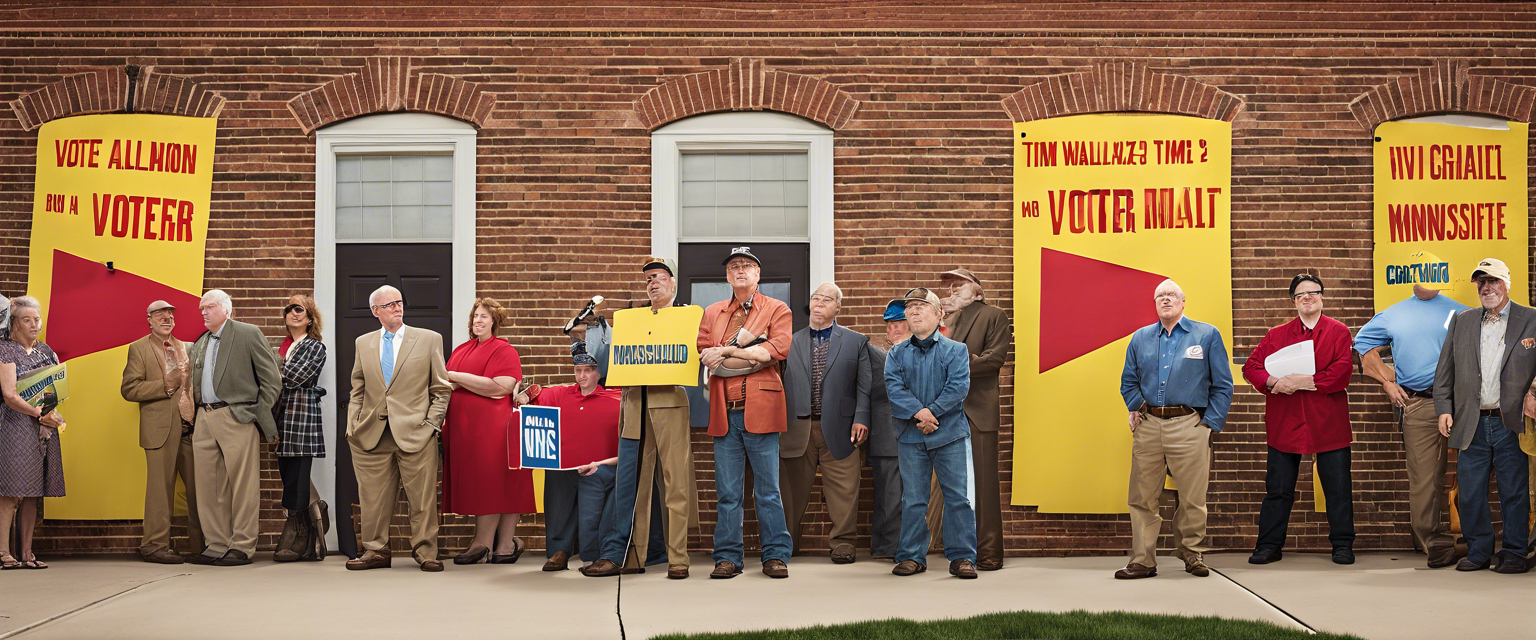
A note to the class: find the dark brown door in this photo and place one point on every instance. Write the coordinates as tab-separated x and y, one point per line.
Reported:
424	275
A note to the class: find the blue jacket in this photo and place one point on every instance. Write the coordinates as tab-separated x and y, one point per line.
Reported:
937	378
1199	374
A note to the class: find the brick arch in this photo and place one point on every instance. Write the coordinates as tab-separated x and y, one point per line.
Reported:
1446	86
1120	86
746	85
389	84
105	90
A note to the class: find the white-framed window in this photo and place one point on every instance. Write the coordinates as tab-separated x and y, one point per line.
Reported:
743	177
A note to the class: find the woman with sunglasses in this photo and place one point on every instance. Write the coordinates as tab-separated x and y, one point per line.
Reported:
300	435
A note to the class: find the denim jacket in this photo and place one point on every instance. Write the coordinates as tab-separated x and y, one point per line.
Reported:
937	378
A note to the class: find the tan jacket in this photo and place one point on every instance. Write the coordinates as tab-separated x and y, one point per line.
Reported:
414	403
986	333
144	383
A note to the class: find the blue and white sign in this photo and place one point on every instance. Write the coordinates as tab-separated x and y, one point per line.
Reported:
540	430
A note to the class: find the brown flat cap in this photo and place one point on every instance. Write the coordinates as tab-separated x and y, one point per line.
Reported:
960	274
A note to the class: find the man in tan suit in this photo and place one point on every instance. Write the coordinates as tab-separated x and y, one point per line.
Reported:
156	377
399	398
235	383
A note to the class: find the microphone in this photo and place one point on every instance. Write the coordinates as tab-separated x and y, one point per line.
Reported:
585	312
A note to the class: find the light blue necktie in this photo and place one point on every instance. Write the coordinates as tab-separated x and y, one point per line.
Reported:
387	363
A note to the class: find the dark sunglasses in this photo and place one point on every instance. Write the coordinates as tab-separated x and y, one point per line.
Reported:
290	309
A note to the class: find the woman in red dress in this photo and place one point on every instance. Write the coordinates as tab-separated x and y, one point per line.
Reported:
476	481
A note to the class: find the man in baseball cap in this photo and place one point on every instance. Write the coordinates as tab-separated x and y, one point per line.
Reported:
926	378
156	378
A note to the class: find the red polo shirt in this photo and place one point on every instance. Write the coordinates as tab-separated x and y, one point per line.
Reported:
589	425
1307	421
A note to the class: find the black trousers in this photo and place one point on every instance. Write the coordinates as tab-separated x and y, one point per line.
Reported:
1280	486
294	471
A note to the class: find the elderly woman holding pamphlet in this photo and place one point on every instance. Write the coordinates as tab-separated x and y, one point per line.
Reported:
1302	368
31	465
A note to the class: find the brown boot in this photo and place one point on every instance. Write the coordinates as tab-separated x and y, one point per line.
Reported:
290	545
557	562
319	524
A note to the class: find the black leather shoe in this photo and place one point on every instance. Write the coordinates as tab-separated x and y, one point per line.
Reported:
1467	564
233	558
202	558
1512	564
1264	555
1343	555
471	556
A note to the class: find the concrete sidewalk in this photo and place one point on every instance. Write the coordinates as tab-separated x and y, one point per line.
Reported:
1383	596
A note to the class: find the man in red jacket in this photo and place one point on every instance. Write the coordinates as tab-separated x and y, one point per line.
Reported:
1305	413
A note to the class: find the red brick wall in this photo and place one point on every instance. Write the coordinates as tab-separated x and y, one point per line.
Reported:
923	166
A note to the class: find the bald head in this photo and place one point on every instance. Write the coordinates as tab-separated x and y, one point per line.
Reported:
1168	298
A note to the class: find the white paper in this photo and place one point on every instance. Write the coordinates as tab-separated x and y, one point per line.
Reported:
1297	358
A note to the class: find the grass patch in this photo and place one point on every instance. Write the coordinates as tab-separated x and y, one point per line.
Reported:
1075	625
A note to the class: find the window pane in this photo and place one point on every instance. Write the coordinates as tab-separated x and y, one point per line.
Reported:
697	166
776	290
699	221
437	222
407	222
439	193
438	168
376	194
407	193
376	222
733	194
375	168
733	166
767	166
796	221
768	221
405	168
796	193
349	169
349	223
349	194
697	194
768	194
733	221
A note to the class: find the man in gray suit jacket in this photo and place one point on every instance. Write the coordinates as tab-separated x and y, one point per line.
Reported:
235	382
885	522
1485	370
826	382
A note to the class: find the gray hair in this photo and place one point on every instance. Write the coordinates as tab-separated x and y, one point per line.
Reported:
372	297
218	297
25	302
837	292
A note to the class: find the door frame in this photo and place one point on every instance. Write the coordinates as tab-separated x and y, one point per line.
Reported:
394	133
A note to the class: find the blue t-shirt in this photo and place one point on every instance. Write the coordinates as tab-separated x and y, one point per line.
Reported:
1415	329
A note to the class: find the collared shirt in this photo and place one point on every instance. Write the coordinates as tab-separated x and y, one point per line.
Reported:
1490	355
1415	331
210	360
395	355
1307	421
1186	366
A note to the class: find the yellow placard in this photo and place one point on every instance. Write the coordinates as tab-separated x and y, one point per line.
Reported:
1448	196
1105	207
132	190
655	348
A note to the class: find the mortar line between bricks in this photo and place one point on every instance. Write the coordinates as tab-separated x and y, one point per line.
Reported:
1240	585
55	618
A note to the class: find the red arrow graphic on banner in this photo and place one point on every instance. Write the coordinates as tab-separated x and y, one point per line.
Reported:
95	310
1086	304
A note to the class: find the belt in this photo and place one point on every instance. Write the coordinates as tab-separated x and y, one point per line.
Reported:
211	407
1419	394
1168	412
736	404
1489	413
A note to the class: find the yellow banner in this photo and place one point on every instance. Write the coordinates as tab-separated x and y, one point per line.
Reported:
655	348
132	191
1448	196
1105	207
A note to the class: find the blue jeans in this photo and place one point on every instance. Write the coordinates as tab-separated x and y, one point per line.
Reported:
1493	447
626	484
957	481
733	452
594	510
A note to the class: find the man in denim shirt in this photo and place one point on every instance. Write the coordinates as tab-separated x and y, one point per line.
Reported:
1177	384
927	378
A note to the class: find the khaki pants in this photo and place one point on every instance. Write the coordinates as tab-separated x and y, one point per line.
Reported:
839	488
228	470
1180	446
162	466
665	453
379	474
1425	451
988	501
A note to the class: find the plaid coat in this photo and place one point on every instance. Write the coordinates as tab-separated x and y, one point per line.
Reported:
298	408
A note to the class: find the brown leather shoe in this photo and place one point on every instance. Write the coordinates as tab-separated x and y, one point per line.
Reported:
1444	557
962	568
775	569
600	569
432	566
369	560
1195	566
1134	571
908	568
989	564
677	571
162	556
558	562
726	569
843	554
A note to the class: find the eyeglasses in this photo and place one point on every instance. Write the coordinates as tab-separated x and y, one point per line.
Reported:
1303	294
292	308
1167	296
822	299
1481	282
390	305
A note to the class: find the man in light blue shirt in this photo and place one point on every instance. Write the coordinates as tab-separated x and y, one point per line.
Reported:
1413	331
1177	385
